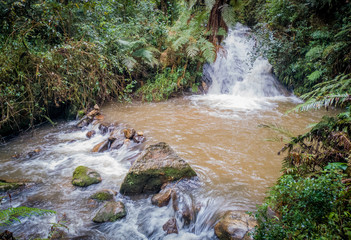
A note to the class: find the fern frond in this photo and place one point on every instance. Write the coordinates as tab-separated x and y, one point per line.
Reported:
278	129
326	101
192	51
8	216
129	62
208	50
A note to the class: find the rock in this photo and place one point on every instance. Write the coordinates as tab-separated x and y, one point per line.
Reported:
103	195
234	225
85	121
83	177
33	153
139	139
101	147
158	164
140	133
93	113
103	127
7	235
111	212
129	133
6	186
99	118
170	226
90	134
117	144
96	107
162	198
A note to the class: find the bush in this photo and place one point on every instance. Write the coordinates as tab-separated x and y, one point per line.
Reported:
307	208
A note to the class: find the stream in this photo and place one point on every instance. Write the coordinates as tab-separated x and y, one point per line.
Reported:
216	133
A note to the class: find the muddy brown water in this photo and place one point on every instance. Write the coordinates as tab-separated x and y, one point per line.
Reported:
225	146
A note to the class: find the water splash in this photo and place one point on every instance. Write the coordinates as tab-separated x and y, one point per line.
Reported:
238	80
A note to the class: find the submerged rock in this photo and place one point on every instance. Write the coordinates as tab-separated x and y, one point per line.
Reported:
158	164
6	186
84	176
162	198
103	195
234	225
170	226
90	134
111	212
101	147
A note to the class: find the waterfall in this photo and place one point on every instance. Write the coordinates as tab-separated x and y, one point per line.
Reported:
235	73
238	79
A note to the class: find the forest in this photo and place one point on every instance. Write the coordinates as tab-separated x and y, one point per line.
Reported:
59	58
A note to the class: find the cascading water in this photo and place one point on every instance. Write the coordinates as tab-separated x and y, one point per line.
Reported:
239	81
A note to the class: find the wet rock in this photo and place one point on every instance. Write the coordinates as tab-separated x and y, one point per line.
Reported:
33	153
103	127
83	177
99	118
139	138
93	113
111	212
162	198
85	121
234	225
96	107
7	186
129	133
170	226
117	143
158	164
90	134
103	195
101	147
7	235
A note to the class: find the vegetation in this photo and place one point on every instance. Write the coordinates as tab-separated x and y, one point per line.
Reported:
8	216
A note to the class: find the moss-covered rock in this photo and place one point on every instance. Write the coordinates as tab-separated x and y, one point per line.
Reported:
6	186
103	195
84	176
158	164
110	212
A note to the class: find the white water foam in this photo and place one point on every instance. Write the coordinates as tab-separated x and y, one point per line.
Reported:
240	83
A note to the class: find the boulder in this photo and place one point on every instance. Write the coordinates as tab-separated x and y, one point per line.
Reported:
129	133
6	186
84	176
103	195
110	212
158	164
162	198
170	226
234	225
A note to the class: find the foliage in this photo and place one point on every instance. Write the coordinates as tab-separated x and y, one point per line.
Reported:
306	208
327	142
8	216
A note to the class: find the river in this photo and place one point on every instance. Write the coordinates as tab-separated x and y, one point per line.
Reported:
216	133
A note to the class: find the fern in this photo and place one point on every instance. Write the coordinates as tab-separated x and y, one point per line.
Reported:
8	216
326	94
284	134
192	51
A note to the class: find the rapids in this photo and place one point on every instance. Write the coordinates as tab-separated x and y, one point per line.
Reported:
217	134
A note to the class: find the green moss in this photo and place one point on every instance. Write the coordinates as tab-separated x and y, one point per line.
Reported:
152	179
83	177
102	196
4	186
